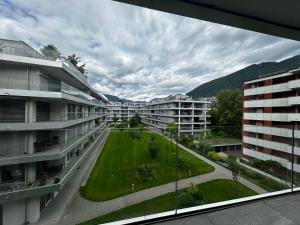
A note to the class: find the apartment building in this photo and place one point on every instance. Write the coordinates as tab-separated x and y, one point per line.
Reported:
271	108
190	115
50	119
123	110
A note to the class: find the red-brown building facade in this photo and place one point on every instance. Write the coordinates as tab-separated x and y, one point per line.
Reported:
271	107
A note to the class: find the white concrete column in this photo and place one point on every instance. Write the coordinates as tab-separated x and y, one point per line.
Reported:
193	120
30	111
32	209
179	117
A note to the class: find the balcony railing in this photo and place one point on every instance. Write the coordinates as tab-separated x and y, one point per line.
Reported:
51	182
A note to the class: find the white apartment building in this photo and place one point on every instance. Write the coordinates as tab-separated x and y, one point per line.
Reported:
190	115
123	110
271	108
50	119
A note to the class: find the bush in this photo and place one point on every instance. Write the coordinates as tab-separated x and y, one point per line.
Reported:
185	199
214	156
181	162
195	193
153	149
134	134
145	173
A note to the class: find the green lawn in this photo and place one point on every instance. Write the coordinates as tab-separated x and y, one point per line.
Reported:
213	191
116	168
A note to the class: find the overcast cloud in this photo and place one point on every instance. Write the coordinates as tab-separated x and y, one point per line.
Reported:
138	53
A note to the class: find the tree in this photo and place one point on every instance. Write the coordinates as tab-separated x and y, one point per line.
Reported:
135	120
123	125
50	51
171	129
226	112
115	119
153	149
76	61
141	128
234	167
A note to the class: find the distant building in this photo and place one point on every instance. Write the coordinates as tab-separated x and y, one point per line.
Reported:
50	118
271	107
190	115
123	110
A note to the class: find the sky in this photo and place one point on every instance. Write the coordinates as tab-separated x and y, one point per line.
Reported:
138	53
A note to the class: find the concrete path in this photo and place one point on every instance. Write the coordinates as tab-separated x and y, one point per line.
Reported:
81	210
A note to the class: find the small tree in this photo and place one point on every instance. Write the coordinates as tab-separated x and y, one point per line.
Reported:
234	167
135	121
50	51
171	129
153	149
115	119
76	61
141	128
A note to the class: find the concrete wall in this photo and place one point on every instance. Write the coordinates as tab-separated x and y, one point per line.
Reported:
14	213
58	111
12	143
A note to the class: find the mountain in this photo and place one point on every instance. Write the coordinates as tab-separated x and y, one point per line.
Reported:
236	79
113	98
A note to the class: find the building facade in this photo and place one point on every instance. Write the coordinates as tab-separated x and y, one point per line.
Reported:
191	116
50	119
123	110
271	109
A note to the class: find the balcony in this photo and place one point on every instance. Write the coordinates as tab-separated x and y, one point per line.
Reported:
279	102
62	120
48	184
50	151
294	84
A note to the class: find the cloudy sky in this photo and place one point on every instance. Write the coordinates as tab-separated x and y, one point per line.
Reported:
138	53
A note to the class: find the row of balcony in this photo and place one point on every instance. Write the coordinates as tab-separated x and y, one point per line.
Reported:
278	102
293	84
50	183
283	117
50	124
263	156
287	148
277	131
51	150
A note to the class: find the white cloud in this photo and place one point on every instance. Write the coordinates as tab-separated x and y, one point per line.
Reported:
139	53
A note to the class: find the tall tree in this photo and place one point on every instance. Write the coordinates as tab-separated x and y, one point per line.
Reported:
172	129
135	120
76	61
226	111
115	119
50	51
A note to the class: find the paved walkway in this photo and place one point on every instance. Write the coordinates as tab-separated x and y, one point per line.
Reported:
81	210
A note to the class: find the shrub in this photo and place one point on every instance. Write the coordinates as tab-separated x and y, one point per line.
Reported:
134	134
152	138
181	162
145	173
153	149
185	199
195	193
215	156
